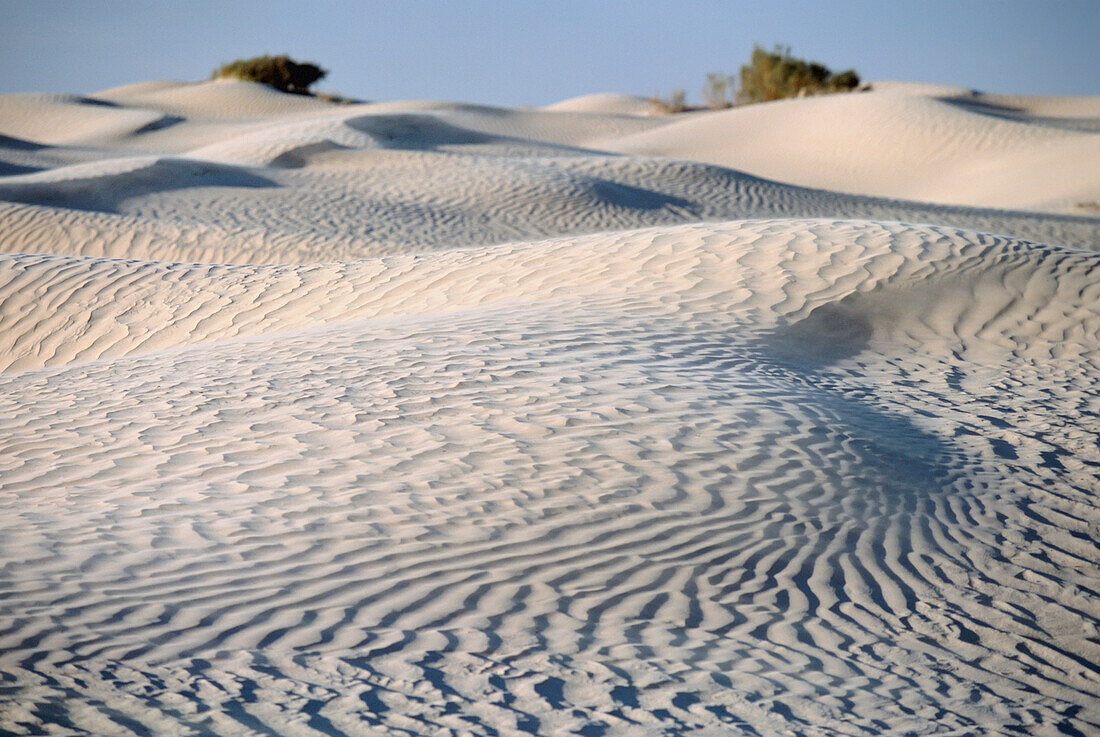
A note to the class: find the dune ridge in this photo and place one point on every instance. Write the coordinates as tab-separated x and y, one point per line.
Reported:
433	418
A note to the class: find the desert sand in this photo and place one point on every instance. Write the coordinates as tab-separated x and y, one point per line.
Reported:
434	418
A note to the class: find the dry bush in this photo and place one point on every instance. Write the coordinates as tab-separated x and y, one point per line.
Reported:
676	102
716	92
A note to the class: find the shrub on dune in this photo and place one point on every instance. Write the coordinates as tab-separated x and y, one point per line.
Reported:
280	72
770	75
773	75
676	103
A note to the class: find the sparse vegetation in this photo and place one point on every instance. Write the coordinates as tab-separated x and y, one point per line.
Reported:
676	102
280	72
716	92
770	75
773	75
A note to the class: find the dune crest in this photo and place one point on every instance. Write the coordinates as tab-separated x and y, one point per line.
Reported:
606	103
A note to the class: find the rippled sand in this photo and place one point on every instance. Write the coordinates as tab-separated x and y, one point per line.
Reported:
427	418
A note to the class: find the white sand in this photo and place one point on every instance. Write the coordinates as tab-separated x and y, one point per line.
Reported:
432	418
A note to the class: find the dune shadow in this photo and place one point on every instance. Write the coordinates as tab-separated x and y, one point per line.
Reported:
95	102
8	169
19	144
637	198
300	156
1018	115
879	458
828	335
166	121
411	132
106	192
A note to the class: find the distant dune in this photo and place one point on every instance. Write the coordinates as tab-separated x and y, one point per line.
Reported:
606	103
972	150
425	417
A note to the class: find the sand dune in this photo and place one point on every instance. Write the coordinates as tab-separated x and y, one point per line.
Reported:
606	103
217	98
1083	107
433	418
950	150
65	119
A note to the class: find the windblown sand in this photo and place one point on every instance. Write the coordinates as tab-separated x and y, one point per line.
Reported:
430	418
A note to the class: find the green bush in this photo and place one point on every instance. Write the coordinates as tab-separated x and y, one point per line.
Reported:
776	74
280	72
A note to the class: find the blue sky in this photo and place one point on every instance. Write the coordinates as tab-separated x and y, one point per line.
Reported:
520	52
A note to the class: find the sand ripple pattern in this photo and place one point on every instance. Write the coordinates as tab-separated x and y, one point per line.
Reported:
787	477
429	418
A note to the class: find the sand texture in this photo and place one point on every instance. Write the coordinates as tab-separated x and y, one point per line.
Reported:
430	418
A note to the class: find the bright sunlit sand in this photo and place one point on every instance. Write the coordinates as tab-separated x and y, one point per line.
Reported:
437	418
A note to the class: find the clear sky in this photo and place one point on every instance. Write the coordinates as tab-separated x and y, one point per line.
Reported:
517	52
